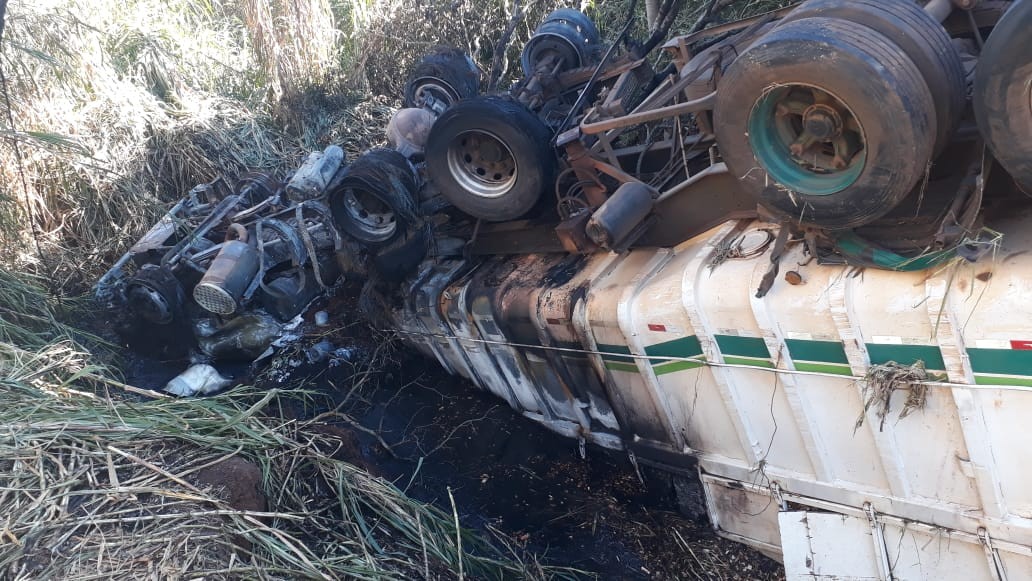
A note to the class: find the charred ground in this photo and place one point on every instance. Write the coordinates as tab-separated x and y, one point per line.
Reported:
438	438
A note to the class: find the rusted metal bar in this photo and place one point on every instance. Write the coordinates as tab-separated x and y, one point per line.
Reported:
715	169
575	77
613	172
678	41
654	115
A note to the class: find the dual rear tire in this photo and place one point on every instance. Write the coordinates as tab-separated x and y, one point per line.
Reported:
832	118
1003	93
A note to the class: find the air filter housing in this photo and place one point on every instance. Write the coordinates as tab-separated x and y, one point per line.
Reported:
227	278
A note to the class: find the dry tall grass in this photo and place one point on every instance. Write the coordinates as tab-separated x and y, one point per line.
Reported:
118	107
102	484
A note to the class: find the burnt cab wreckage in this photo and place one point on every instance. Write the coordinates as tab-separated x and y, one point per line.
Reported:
793	261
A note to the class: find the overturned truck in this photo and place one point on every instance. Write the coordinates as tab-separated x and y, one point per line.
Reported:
791	259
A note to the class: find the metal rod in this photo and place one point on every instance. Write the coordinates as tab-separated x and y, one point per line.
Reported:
214	219
702	104
613	171
729	27
598	70
716	169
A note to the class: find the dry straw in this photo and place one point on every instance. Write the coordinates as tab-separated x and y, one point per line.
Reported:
100	483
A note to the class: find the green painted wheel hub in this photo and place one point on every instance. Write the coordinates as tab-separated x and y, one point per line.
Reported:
807	140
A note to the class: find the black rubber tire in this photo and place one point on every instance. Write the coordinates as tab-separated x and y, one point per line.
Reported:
575	28
512	124
383	175
921	37
395	262
893	104
1002	94
448	67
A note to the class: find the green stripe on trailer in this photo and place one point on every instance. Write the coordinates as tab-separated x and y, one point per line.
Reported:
1003	380
906	355
617	366
673	366
684	347
750	361
742	346
823	351
818	367
615	353
1001	361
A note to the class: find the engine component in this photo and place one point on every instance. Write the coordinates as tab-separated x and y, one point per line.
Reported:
155	295
811	143
408	130
1003	93
441	79
617	219
279	242
244	337
215	217
229	275
311	179
374	201
286	296
566	39
197	379
491	157
257	187
922	39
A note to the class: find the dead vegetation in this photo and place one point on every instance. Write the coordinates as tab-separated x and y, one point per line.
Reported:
882	381
104	483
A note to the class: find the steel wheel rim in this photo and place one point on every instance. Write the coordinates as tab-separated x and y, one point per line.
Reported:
436	88
372	219
807	139
482	164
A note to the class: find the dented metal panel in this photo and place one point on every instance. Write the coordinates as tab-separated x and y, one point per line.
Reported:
425	300
516	305
557	300
698	404
456	315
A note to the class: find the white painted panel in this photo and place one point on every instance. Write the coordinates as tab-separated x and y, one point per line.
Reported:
826	545
751	517
919	554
